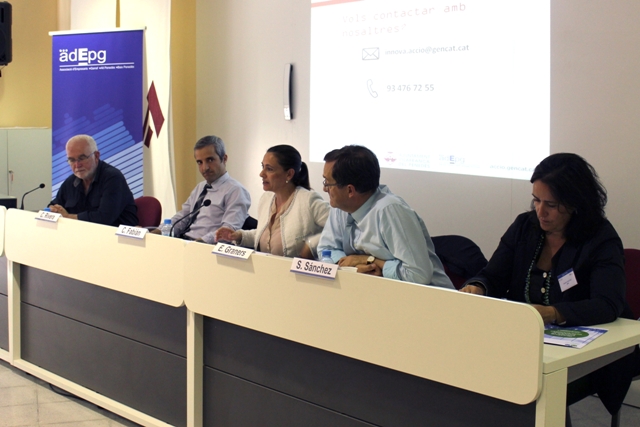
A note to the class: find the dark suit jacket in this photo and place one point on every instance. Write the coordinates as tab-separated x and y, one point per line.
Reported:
109	200
598	264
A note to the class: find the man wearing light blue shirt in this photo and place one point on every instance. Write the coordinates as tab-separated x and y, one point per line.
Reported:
229	200
371	228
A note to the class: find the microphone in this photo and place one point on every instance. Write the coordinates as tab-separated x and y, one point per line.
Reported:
190	215
37	188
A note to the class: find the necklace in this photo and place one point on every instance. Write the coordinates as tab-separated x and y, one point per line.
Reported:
546	275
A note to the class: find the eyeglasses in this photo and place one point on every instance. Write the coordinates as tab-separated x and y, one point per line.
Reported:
80	159
325	184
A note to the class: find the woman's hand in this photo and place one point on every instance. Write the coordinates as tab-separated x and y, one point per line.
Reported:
549	314
228	235
472	289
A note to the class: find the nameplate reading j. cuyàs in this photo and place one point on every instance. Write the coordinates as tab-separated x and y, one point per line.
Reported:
48	216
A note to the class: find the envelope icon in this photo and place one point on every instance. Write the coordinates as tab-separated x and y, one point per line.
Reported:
369	53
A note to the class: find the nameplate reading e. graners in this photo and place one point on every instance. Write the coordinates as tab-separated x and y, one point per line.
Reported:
48	216
314	268
231	251
128	231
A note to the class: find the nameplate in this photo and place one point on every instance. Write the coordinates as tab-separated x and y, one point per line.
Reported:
314	268
128	231
48	216
231	251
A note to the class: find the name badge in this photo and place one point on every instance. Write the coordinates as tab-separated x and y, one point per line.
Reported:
314	268
231	251
567	280
48	216
128	231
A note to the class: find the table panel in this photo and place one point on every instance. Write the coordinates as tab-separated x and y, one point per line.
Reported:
3	276
148	322
3	214
151	268
142	377
263	369
4	304
419	330
4	323
233	402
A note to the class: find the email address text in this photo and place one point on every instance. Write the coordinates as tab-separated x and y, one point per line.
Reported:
428	50
512	168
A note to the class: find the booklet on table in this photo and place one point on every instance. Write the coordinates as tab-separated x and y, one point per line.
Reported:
576	337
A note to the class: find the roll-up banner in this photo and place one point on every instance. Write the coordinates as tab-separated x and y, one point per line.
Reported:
98	91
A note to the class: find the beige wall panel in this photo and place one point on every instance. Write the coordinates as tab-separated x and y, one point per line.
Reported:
25	85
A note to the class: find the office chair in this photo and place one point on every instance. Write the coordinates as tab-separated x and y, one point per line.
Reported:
149	211
632	273
250	223
461	257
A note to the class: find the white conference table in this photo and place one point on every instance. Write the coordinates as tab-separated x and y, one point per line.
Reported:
3	214
392	324
397	325
150	269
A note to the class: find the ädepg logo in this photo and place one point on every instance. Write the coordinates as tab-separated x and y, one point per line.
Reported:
83	56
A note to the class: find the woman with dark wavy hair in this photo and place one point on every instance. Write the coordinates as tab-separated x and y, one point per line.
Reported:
291	215
565	259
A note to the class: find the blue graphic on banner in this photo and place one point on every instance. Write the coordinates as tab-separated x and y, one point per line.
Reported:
97	90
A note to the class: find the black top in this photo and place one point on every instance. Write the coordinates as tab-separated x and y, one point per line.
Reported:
598	265
109	200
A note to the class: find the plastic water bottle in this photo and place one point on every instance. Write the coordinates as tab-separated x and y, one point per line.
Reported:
165	229
326	257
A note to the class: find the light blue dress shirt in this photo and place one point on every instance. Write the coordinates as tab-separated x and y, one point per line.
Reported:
230	203
387	228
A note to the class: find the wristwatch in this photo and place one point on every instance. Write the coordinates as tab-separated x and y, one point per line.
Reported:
371	259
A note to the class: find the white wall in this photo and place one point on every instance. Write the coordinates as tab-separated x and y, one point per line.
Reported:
242	46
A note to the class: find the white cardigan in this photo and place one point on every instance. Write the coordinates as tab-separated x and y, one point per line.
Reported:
304	219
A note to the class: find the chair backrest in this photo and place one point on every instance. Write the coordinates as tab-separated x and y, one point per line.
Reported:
250	223
461	257
149	211
632	272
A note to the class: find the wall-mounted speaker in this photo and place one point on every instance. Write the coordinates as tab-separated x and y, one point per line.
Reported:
286	92
5	33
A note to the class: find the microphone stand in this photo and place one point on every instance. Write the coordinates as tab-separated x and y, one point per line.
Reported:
37	188
204	204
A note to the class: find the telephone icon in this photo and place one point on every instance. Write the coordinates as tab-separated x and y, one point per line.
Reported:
370	88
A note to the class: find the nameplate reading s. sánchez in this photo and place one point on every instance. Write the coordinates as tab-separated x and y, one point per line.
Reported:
314	268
